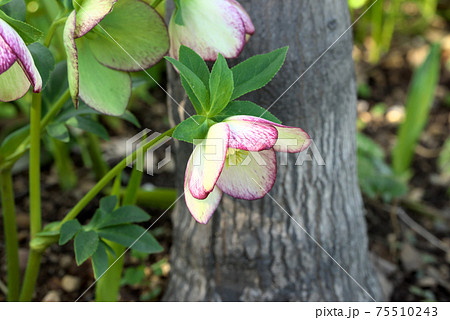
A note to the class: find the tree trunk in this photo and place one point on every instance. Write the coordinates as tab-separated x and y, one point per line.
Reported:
254	250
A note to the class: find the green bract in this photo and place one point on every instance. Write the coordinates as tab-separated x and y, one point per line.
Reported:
104	40
212	93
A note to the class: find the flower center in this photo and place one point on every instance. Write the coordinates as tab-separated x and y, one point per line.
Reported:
235	157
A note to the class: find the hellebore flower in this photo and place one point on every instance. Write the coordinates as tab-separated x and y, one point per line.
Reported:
132	36
17	69
210	27
220	163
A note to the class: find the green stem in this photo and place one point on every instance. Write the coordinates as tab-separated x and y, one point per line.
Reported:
35	165
31	275
10	229
156	3
110	175
24	145
52	29
98	163
64	165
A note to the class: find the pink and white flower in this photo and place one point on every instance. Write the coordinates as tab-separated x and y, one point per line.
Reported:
17	68
238	158
210	27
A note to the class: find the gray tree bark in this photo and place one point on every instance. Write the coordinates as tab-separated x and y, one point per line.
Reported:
254	250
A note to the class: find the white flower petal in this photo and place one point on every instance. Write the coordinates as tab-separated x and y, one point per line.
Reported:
210	27
13	44
207	161
248	175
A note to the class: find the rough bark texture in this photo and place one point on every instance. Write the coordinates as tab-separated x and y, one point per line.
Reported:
253	250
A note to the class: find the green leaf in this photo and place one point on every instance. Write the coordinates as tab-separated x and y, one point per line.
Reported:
100	260
245	108
195	127
124	215
255	72
136	27
131	118
68	230
221	85
195	102
194	83
133	276
127	234
108	204
12	141
89	125
195	63
418	105
28	33
86	243
44	60
57	84
16	9
3	2
103	89
177	13
58	131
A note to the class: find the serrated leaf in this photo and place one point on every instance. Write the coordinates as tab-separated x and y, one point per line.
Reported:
124	215
192	128
44	60
89	125
255	72
86	243
247	108
194	83
127	234
221	86
108	204
27	32
68	230
58	131
100	260
193	61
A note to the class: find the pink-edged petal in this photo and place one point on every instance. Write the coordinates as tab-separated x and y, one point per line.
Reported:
209	27
248	24
11	39
208	159
290	139
248	175
73	73
251	136
13	83
90	13
201	210
7	57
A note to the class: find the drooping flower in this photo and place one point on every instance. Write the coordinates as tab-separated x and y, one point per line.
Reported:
104	40
238	158
17	68
210	27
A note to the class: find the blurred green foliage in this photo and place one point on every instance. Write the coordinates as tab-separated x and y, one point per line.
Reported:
418	105
383	18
